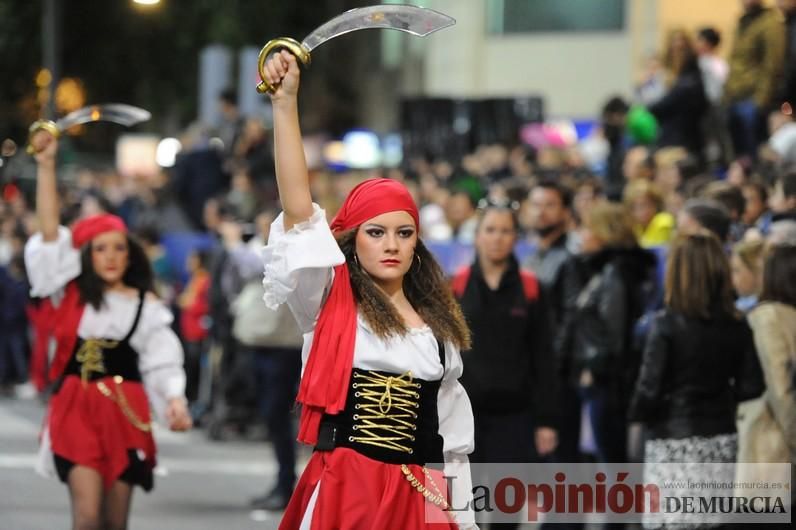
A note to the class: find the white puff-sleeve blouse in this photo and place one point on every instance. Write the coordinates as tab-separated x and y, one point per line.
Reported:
298	271
53	264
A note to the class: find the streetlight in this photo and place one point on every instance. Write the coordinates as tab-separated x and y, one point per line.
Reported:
146	2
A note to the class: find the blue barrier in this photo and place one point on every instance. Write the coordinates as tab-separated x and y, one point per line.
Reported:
451	256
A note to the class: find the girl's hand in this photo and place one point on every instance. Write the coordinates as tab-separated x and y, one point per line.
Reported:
282	71
45	145
177	415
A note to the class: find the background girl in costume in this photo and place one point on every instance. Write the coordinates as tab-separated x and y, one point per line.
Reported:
113	339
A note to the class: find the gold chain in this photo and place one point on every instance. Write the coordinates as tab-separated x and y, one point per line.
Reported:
381	395
90	357
436	498
121	400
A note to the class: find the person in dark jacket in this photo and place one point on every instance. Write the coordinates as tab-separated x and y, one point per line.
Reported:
682	109
551	207
510	367
613	274
698	363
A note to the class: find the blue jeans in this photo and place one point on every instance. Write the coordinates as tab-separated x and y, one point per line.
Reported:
745	124
608	422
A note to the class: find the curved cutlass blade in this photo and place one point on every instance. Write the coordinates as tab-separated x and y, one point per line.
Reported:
120	113
410	19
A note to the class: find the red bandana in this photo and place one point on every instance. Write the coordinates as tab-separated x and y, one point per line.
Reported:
66	317
324	384
87	229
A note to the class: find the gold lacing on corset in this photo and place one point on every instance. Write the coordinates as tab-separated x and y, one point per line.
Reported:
388	405
90	357
121	400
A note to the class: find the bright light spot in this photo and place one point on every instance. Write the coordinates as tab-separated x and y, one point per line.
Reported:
167	151
146	2
362	149
392	150
334	154
43	78
70	95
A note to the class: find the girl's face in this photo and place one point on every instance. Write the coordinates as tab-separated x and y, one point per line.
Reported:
496	236
385	247
110	256
744	280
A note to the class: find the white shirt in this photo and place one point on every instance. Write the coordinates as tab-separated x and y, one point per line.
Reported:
298	271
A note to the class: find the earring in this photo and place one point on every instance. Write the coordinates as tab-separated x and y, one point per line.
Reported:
355	259
419	261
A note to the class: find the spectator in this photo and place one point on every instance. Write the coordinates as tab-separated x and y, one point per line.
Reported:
511	350
700	215
782	142
639	164
614	121
599	337
253	149
197	174
653	225
461	216
697	364
551	215
13	325
588	193
194	321
756	213
714	68
733	201
232	123
787	94
756	63
747	264
773	434
783	200
680	112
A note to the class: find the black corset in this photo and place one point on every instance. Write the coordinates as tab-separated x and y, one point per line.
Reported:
94	359
388	417
97	358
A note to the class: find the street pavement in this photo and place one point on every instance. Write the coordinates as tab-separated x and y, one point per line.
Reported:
199	484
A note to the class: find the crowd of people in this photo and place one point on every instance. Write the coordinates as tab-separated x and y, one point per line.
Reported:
660	289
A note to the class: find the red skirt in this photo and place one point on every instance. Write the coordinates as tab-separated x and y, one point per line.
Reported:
355	492
89	428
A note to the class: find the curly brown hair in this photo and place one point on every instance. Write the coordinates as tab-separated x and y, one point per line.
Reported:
426	288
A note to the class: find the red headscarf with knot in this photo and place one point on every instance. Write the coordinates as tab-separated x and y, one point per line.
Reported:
324	384
66	317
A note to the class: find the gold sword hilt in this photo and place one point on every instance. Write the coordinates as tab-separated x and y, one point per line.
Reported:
41	125
291	45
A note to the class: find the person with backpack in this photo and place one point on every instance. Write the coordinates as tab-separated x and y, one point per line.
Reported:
510	374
